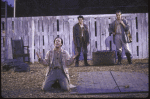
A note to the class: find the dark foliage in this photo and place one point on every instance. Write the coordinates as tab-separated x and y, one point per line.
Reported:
9	9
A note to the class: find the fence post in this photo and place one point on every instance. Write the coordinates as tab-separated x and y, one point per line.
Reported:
6	36
32	41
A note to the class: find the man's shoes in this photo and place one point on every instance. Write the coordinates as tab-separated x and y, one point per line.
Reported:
119	63
76	64
130	62
119	59
129	58
86	64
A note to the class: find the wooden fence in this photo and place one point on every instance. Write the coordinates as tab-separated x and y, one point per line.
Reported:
39	32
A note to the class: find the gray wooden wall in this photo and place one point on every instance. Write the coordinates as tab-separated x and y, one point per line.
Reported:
39	33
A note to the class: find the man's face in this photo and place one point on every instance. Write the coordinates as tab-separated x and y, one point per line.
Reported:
118	15
58	42
80	21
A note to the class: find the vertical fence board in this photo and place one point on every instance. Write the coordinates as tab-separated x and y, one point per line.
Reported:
71	24
31	39
103	33
140	32
66	31
54	27
45	26
144	36
92	31
36	38
88	47
107	37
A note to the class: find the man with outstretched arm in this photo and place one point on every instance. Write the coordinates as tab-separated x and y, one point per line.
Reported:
57	61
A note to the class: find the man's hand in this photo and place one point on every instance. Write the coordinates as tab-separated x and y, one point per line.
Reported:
113	33
75	56
87	44
122	23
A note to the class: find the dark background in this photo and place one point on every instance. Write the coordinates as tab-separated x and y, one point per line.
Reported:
28	8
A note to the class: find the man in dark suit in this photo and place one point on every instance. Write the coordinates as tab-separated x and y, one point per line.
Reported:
81	40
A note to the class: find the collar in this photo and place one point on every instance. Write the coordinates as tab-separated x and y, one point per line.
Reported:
81	25
59	50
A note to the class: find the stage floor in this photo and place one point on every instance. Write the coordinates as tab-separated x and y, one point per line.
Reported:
111	82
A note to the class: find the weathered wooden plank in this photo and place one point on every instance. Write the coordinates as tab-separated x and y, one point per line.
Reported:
45	26
107	37
9	47
112	43
9	27
40	36
144	37
147	34
15	28
36	38
88	47
66	31
51	42
92	31
54	22
102	34
8	36
134	41
140	32
31	39
22	27
71	24
98	32
26	27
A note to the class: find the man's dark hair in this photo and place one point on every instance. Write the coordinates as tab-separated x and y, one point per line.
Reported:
60	38
118	11
80	16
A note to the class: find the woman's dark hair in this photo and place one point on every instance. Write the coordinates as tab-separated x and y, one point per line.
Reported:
60	38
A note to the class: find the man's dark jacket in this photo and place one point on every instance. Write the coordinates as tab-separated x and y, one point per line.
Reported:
77	35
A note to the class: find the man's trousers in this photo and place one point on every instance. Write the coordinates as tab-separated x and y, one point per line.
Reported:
119	43
56	74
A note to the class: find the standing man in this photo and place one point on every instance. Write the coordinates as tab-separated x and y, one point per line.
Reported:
57	61
81	40
119	28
